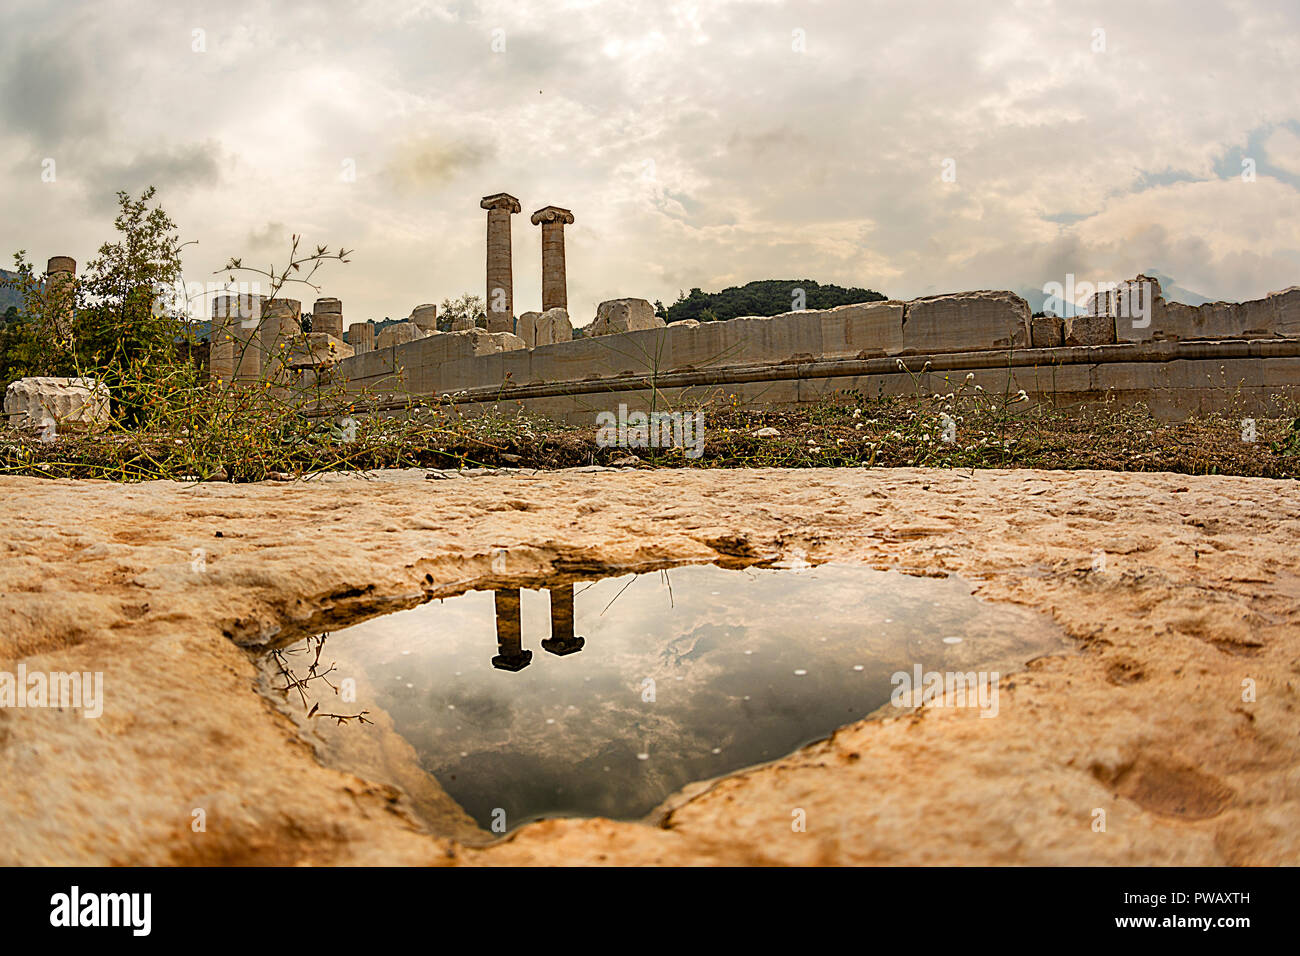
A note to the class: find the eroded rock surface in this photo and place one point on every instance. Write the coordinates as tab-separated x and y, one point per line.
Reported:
1181	593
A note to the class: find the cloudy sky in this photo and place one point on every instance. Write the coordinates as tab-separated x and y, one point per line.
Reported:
698	143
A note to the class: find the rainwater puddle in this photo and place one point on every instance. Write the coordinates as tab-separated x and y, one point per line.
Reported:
602	698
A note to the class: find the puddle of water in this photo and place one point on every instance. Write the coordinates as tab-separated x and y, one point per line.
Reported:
603	698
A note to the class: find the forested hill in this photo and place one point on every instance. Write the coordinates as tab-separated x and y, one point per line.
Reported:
761	297
8	294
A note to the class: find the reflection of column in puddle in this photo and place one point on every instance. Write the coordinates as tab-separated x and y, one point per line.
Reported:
562	641
511	655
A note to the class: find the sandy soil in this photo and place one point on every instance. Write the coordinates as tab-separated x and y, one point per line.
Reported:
1177	716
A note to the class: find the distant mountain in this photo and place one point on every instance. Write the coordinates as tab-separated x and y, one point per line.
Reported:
1173	292
1039	301
762	297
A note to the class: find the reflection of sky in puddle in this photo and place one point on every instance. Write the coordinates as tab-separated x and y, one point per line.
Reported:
744	667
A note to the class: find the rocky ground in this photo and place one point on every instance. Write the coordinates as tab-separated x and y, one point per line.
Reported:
1177	715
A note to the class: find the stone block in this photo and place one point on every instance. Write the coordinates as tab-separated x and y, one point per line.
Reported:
425	317
526	328
437	350
1046	331
317	349
361	337
399	333
966	321
1277	314
864	330
71	403
624	315
552	327
1284	311
1090	330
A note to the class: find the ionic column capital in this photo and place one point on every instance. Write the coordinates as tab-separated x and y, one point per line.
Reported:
552	214
501	201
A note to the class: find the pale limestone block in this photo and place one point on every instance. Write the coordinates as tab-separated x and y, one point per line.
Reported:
425	317
966	321
864	330
399	333
317	349
624	315
552	327
526	328
1090	330
1046	331
71	403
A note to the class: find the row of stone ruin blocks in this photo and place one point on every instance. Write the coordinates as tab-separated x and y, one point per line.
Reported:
532	329
1136	311
960	322
250	333
253	336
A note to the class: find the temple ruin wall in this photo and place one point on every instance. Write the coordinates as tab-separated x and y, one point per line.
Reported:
1187	359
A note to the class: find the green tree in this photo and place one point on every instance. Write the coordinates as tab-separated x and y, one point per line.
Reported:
122	322
763	297
464	306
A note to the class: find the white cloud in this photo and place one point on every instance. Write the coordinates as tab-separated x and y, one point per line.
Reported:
767	162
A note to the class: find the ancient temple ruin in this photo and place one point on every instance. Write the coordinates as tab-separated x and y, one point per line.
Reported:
1174	359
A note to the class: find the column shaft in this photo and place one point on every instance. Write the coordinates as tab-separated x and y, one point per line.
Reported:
500	302
555	294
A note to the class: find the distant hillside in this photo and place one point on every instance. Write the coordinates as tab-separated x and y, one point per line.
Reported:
8	295
761	297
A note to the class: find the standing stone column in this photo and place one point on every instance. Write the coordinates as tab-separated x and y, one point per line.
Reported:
511	655
60	281
327	316
281	321
562	640
500	302
243	319
223	352
555	293
361	336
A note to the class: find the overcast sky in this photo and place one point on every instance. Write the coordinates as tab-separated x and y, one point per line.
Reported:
697	143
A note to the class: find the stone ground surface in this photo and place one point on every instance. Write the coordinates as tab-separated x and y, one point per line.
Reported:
1200	591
